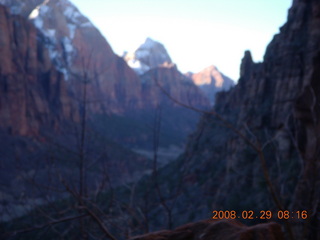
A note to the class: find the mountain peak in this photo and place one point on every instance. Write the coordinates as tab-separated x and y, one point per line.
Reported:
246	64
149	43
211	68
210	75
210	80
150	54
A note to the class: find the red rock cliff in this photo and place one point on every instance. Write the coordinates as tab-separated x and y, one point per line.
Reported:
33	93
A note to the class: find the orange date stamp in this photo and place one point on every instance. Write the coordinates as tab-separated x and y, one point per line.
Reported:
263	214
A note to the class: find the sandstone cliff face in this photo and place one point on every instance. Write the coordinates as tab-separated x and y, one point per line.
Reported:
211	81
33	93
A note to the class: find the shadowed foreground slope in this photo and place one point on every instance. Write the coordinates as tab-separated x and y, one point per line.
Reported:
218	230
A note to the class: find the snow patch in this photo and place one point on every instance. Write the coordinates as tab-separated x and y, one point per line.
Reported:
139	67
35	13
133	63
72	14
86	24
68	12
50	33
38	22
60	48
72	30
53	53
65	72
67	44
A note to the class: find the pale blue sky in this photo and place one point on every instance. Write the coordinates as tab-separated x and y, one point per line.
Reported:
196	33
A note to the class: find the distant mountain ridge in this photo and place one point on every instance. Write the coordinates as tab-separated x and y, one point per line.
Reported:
152	55
211	81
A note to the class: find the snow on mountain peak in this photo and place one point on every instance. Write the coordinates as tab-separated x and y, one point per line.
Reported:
59	21
150	54
35	13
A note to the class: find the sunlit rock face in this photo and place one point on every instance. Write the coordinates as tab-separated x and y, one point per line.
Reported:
33	93
210	80
150	54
